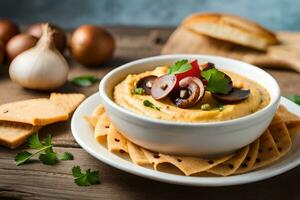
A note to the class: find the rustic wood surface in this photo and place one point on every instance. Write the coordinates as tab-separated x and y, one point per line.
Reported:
38	181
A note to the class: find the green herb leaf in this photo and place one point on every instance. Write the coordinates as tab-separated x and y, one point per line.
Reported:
216	81
220	106
22	157
34	142
48	158
87	178
84	81
180	67
65	156
149	104
294	98
139	91
45	150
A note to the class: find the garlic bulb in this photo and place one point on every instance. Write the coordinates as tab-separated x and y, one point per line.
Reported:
41	67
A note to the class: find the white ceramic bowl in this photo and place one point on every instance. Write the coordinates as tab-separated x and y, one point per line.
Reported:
182	138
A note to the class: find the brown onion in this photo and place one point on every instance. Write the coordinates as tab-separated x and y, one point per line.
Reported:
60	38
92	45
8	29
19	44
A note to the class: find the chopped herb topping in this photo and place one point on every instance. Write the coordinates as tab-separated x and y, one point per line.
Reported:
205	107
139	91
220	106
149	104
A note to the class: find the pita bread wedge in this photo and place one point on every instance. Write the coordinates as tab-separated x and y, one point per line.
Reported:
231	28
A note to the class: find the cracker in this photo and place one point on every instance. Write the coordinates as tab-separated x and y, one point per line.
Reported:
280	135
69	102
286	115
115	141
136	154
292	121
99	110
154	158
92	120
102	127
14	134
267	152
293	130
38	112
249	161
192	165
230	166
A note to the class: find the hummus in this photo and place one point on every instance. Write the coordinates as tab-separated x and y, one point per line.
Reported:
259	98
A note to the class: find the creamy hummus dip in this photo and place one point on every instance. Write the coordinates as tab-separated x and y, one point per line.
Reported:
123	96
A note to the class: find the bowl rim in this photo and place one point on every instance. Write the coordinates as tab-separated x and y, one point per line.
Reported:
147	119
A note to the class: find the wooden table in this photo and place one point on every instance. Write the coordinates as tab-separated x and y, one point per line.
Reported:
38	181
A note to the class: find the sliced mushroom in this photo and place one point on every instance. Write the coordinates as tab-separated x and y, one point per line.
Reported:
195	89
236	95
162	86
146	83
230	84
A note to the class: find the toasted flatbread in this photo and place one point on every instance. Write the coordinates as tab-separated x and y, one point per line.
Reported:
231	28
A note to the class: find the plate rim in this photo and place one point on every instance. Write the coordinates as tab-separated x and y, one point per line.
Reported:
130	167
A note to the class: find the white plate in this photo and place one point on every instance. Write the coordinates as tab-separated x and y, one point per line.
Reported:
83	134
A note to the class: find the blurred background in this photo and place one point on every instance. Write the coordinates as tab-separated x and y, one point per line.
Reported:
274	14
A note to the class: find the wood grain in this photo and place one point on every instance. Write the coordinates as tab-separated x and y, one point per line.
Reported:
38	181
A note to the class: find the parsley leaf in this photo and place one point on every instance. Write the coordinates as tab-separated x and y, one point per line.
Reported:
84	81
65	156
294	98
180	67
149	104
220	106
87	178
22	157
216	81
48	158
139	91
34	142
46	154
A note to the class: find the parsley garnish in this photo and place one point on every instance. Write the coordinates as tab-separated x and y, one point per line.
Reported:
216	81
46	154
180	67
87	178
149	104
139	91
84	81
294	98
220	106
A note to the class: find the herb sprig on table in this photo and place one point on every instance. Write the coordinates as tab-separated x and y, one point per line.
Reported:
85	179
294	98
49	157
84	81
45	151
